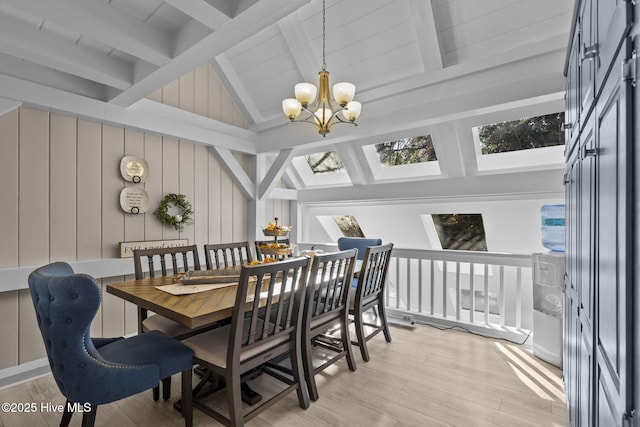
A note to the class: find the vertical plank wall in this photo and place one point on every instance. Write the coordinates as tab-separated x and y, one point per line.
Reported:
59	188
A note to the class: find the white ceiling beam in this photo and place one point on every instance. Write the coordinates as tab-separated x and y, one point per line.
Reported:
515	184
40	48
279	165
198	129
357	168
448	146
251	21
7	105
201	11
231	165
106	24
427	32
35	73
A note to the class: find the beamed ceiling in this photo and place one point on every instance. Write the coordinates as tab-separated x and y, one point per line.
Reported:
420	66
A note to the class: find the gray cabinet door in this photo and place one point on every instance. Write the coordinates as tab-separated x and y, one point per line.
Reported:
613	248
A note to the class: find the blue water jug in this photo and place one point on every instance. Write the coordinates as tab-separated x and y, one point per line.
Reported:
553	227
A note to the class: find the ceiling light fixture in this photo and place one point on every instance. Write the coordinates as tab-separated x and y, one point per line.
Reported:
322	113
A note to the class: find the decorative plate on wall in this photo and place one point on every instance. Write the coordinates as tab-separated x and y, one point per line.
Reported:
134	169
134	200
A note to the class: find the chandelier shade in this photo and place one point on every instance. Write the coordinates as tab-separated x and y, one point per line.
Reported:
316	102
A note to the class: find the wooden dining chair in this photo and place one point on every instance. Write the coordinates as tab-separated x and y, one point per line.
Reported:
227	254
369	297
254	338
325	332
165	262
260	256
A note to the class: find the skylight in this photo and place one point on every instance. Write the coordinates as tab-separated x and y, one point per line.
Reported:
523	134
324	163
406	151
348	225
460	231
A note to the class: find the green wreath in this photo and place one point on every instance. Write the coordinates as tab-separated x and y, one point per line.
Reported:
183	218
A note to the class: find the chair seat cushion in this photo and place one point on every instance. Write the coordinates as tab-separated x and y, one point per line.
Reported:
149	348
212	346
174	329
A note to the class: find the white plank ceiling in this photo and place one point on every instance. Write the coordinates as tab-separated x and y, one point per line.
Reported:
417	64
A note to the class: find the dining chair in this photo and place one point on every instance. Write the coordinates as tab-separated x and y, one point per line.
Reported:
165	262
227	254
325	331
260	256
369	296
99	370
359	243
254	338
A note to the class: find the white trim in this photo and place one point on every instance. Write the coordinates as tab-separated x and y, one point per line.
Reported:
24	372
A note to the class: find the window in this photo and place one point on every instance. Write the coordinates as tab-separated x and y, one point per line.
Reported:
523	134
323	163
460	231
406	151
348	225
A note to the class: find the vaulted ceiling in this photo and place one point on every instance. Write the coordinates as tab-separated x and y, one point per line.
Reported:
420	66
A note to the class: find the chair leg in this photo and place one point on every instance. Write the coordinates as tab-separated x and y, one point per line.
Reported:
166	388
362	342
234	397
309	375
383	320
66	416
346	345
298	373
89	418
187	397
156	393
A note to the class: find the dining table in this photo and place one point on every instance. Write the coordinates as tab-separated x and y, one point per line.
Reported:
192	302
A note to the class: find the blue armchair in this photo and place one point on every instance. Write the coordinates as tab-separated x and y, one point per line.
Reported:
98	371
359	243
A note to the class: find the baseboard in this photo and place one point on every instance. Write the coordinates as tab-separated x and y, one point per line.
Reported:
24	372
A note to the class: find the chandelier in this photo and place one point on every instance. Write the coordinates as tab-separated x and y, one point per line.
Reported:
322	111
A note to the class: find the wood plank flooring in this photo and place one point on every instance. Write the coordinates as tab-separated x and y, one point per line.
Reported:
424	377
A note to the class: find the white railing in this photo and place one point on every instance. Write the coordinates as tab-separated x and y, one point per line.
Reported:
435	286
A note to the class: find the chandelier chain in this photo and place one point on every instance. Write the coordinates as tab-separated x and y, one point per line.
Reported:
324	62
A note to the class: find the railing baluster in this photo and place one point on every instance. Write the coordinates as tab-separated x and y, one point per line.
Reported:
502	298
408	284
444	289
519	299
431	288
458	302
472	293
486	294
419	286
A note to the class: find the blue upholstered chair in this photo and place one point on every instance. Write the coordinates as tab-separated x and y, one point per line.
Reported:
98	371
359	243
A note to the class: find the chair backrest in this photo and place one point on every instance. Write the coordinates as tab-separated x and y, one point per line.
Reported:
373	274
156	258
328	287
264	316
227	254
359	243
260	256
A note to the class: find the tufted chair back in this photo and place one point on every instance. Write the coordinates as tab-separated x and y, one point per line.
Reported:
359	243
65	304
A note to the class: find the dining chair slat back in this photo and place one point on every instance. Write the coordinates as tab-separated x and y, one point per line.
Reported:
165	262
369	295
326	317
227	254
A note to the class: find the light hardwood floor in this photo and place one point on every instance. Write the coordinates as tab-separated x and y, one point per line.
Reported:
424	377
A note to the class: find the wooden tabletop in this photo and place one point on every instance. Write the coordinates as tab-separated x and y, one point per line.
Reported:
192	311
